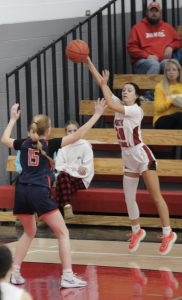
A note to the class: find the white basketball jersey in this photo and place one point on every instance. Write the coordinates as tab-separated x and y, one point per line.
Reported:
128	126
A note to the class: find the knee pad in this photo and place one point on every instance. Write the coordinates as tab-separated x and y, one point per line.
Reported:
130	185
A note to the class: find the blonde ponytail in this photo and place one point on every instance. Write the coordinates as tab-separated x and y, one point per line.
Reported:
38	127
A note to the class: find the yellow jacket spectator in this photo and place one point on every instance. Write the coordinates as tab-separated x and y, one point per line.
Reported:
168	98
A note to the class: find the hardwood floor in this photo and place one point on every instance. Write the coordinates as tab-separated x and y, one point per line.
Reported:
105	253
110	270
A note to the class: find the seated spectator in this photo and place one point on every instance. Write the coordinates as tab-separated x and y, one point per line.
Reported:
7	290
152	42
75	165
168	98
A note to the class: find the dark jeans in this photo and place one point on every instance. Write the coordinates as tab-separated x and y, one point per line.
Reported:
173	121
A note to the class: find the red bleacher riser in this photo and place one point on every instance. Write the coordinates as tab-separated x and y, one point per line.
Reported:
108	200
7	196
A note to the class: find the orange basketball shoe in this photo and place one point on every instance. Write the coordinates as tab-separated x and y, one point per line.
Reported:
167	243
135	240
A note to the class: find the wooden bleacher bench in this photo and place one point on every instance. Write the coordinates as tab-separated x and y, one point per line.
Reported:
87	108
114	166
144	81
107	136
100	137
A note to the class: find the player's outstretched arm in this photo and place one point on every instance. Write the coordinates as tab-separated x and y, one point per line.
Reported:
100	106
6	136
96	75
108	97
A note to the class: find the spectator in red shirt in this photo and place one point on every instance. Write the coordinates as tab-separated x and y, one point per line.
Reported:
152	42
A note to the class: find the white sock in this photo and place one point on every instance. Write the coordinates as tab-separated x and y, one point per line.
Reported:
166	230
16	268
68	273
135	228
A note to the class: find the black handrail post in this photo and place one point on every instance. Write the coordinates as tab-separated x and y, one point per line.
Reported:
28	81
17	97
90	45
133	12
76	90
54	83
100	43
164	10
115	42
8	109
8	114
65	80
45	82
123	35
7	96
39	84
178	13
109	27
144	8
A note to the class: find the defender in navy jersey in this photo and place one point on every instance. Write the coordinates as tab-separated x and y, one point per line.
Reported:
138	159
36	168
32	193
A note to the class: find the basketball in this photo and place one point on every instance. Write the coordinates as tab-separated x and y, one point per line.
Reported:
77	51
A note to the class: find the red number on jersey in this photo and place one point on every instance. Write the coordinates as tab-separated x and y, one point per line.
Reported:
33	157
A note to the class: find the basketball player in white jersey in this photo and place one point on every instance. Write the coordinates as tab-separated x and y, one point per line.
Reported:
137	159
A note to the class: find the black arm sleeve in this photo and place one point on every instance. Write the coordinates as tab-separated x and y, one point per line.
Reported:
17	144
54	145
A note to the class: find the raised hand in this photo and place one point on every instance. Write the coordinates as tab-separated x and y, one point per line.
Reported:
105	76
100	106
177	101
82	170
15	112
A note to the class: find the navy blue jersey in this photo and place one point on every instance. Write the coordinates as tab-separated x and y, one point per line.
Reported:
36	167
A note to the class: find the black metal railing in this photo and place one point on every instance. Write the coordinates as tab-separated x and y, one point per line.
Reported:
48	83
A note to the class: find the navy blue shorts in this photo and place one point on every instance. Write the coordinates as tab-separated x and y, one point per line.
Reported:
30	199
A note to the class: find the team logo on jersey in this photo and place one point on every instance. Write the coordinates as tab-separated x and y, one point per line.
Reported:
149	35
118	123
